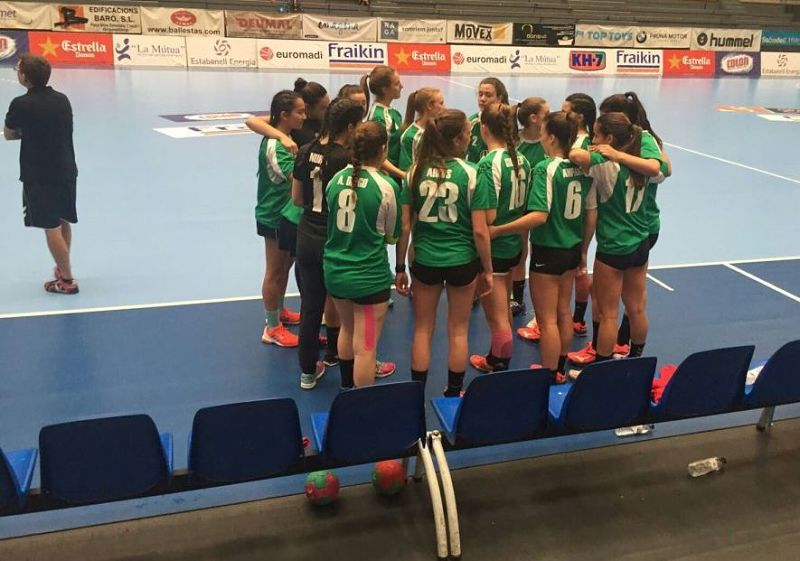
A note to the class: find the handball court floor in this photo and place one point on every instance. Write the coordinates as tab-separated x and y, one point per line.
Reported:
168	319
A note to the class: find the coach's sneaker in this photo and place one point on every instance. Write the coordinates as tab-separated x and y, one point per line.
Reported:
530	332
280	336
621	351
309	381
288	317
586	355
480	363
384	369
579	328
62	286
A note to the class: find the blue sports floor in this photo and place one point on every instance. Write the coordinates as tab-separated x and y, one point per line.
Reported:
170	221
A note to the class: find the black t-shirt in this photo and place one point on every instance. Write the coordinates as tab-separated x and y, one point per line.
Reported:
314	166
308	133
44	116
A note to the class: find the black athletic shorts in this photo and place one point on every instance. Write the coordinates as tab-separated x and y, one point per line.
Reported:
459	275
653	239
554	260
266	232
377	298
45	205
501	265
287	237
637	258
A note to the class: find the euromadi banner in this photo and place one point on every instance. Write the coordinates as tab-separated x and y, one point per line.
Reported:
361	56
470	59
12	45
782	40
228	52
603	36
422	57
96	19
186	22
780	64
747	65
474	32
413	30
332	28
689	63
662	37
149	50
277	54
72	48
24	15
543	35
263	26
748	40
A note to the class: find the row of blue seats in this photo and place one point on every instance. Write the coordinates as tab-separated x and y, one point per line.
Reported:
100	460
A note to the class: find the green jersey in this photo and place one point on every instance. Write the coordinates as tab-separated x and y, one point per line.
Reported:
559	188
442	205
532	150
582	141
409	141
390	118
275	166
477	147
622	220
355	261
650	150
291	211
496	172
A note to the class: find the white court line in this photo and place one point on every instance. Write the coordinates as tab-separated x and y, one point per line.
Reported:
722	263
663	285
759	280
731	162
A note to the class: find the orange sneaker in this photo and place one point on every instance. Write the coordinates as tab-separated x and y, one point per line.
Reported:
586	355
621	351
558	377
530	332
289	317
479	362
280	336
579	328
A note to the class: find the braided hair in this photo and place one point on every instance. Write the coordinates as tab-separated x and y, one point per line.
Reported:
500	119
368	141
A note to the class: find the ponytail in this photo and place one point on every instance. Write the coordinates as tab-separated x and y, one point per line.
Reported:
584	105
377	80
411	111
627	137
642	119
368	140
629	104
437	145
364	83
527	108
564	126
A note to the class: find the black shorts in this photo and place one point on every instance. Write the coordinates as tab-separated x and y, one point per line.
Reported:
502	265
554	260
459	275
266	232
653	239
377	298
637	258
287	237
45	205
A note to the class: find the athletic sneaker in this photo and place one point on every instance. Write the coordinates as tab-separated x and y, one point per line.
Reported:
289	317
479	362
330	360
517	308
573	373
280	336
384	369
621	351
579	328
586	355
460	394
530	332
309	381
558	377
60	286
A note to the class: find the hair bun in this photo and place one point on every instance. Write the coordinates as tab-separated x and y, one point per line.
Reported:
299	84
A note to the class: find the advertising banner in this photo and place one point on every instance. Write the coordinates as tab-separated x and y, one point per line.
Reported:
739	64
421	57
639	61
588	35
595	61
332	28
280	54
149	50
781	40
12	45
263	26
689	63
96	19
662	37
361	56
748	40
780	64
543	35
413	30
72	48
474	32
469	59
207	52
25	15
183	21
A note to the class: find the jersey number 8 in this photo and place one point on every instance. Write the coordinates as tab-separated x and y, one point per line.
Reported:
446	190
346	215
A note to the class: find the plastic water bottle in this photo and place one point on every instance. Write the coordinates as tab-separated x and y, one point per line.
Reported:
709	465
633	430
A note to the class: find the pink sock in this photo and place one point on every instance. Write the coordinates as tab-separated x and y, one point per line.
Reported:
502	344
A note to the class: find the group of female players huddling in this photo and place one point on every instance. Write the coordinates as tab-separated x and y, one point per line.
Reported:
460	198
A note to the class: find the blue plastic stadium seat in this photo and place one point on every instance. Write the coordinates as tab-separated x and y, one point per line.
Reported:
706	383
496	408
16	473
371	423
779	380
245	441
608	394
99	460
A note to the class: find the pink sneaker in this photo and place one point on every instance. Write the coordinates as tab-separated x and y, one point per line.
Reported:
621	351
586	355
280	336
579	328
384	369
480	363
530	332
289	317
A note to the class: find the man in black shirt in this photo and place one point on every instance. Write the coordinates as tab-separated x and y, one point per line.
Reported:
42	119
